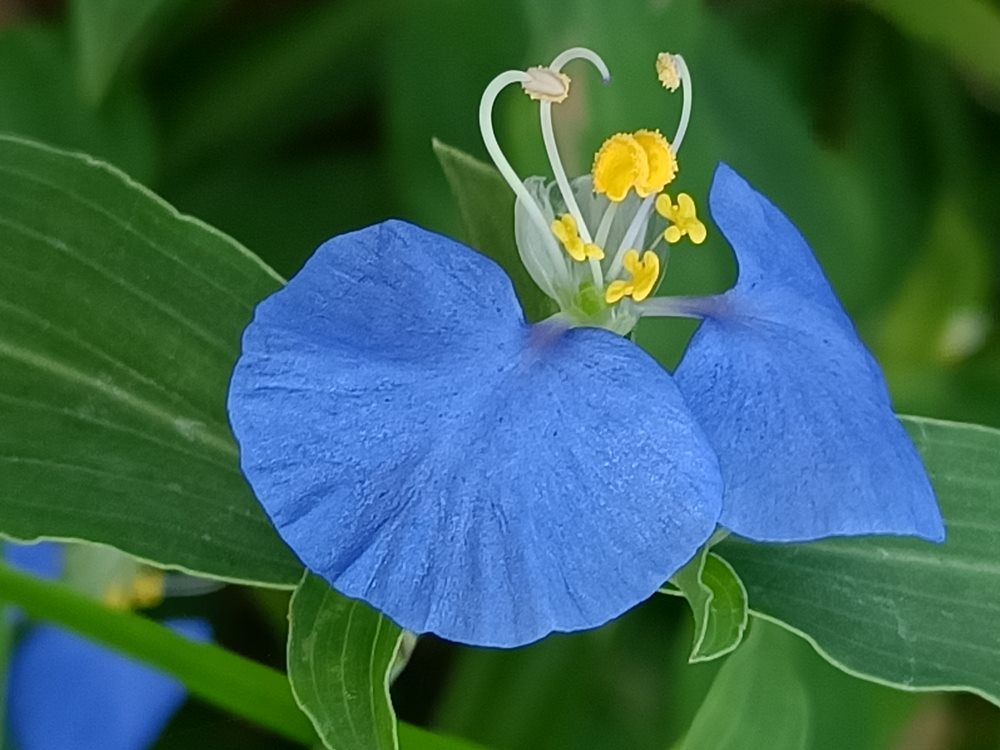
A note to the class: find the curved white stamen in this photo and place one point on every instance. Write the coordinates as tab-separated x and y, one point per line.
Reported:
552	150
486	103
549	138
688	92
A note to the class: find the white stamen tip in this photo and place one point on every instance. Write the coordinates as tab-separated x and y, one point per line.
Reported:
666	71
547	85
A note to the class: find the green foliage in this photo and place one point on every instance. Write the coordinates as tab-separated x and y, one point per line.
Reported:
120	322
104	32
757	701
208	671
268	84
39	99
901	611
606	689
340	653
965	30
718	602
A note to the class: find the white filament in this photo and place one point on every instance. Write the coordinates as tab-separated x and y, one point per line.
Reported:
688	93
552	150
637	224
486	104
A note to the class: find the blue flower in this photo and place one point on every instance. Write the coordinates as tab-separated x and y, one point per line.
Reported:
424	449
66	692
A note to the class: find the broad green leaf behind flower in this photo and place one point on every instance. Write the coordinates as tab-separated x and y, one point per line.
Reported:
119	323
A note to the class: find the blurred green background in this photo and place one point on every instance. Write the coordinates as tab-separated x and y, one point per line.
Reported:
875	125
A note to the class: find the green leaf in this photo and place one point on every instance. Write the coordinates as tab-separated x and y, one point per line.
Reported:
757	702
120	322
39	99
105	31
486	203
415	738
340	652
965	30
601	689
901	611
939	316
231	682
298	71
718	602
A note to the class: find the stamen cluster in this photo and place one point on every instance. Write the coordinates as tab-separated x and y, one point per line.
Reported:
597	263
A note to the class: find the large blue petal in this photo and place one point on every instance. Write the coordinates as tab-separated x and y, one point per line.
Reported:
423	449
68	693
793	402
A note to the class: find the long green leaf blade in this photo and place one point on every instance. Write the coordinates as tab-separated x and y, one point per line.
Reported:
340	652
120	321
902	611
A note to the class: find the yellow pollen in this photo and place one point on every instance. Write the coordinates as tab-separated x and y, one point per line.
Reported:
620	164
147	589
683	218
644	274
116	597
565	230
661	160
143	591
666	71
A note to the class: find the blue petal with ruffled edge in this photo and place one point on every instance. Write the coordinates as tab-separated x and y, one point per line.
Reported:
68	693
794	404
423	449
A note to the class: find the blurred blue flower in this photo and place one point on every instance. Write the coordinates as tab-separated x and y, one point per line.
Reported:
67	693
424	449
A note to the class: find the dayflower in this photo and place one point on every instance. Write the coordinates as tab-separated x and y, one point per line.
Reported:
423	448
65	692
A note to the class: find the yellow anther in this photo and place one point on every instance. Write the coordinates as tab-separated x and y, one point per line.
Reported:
116	597
147	589
644	274
661	160
683	218
620	164
666	71
565	230
545	84
143	591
